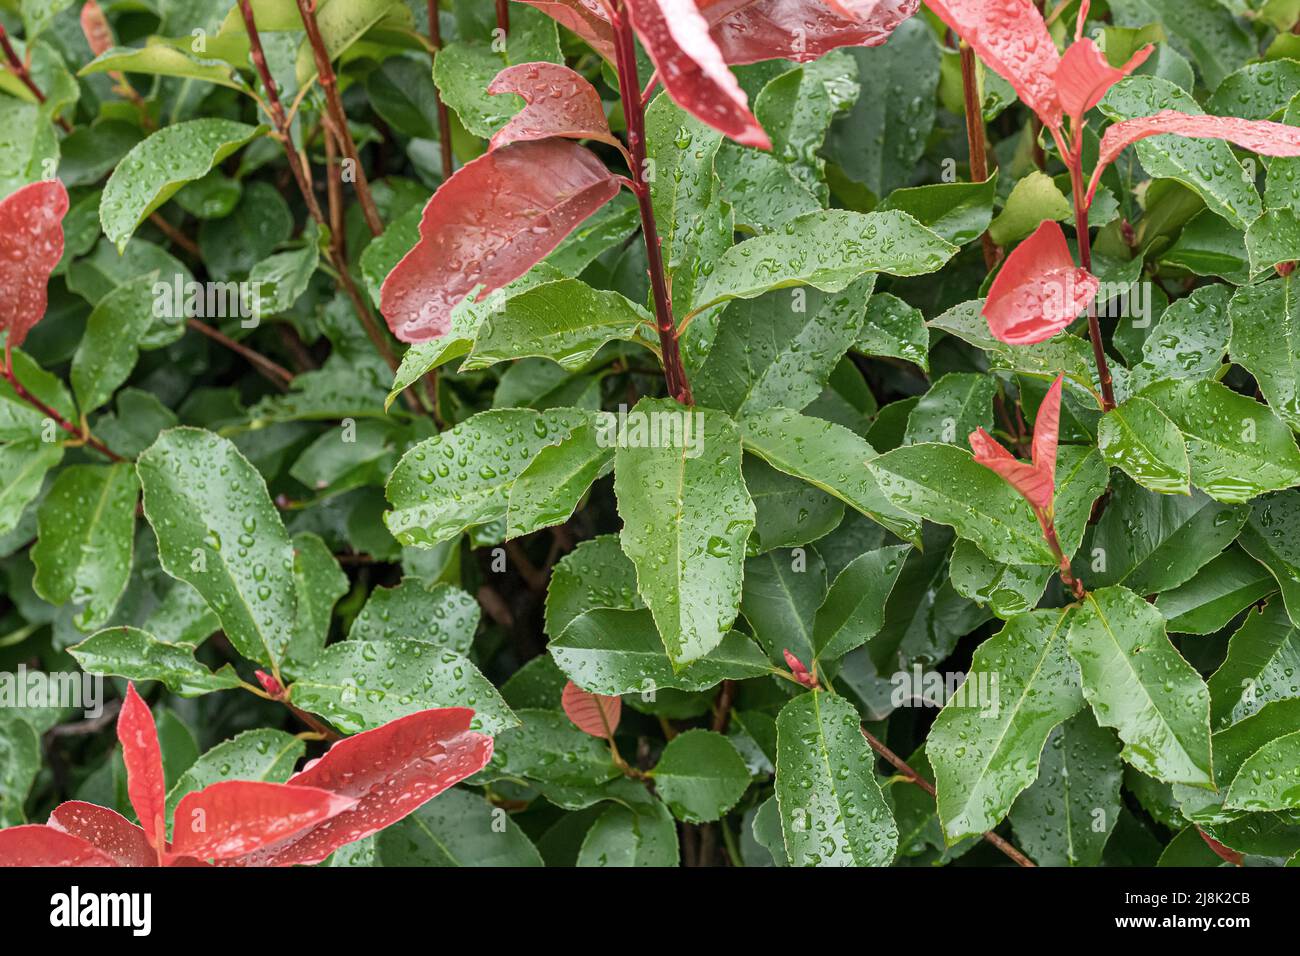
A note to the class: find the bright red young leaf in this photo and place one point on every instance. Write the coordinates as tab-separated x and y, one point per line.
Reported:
692	70
1225	853
1036	481
747	31
36	845
1011	37
1039	290
1085	75
593	714
388	772
144	767
95	26
491	222
560	102
235	817
105	829
798	669
1260	136
31	244
586	18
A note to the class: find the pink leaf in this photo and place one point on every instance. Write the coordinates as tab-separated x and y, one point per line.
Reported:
1085	75
1259	136
586	18
1012	39
560	103
692	69
1037	481
748	31
798	669
144	768
31	244
1047	429
36	845
492	221
235	817
390	771
99	35
111	832
1039	290
591	713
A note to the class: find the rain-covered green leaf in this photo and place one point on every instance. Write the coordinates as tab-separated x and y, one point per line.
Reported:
985	743
686	516
788	512
219	532
854	609
1270	537
262	754
23	466
1035	199
1190	340
595	574
86	531
1142	442
359	685
20	762
632	835
1263	665
764	192
1266	342
1218	592
111	345
832	811
530	751
958	212
1268	779
459	828
1138	683
137	655
700	776
161	59
442	615
1007	589
158	166
894	328
955	406
781	595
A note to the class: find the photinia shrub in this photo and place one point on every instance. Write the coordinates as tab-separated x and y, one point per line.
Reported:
650	433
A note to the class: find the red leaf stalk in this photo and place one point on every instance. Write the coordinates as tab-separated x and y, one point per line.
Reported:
444	119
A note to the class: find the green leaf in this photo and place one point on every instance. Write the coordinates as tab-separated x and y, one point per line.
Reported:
788	512
1216	40
1220	591
1262	666
764	192
615	652
854	609
1266	780
827	250
1007	589
263	754
23	467
955	406
828	456
359	685
780	598
635	835
985	743
1266	343
111	345
700	776
318	582
1137	683
686	517
881	141
281	279
566	321
157	167
1270	538
442	615
1190	339
86	531
20	762
1068	814
548	748
1238	448
1141	441
894	328
1206	166
1034	200
458	828
402	92
219	532
462	477
137	655
1273	239
957	212
595	574
943	483
1208	246
780	349
160	59
27	143
832	811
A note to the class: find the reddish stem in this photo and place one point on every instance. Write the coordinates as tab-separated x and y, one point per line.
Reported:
21	391
975	139
1081	209
503	15
19	69
630	93
444	119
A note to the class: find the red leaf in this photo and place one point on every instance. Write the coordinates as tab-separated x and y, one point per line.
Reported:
144	768
95	26
235	817
594	714
586	18
692	70
36	845
1012	39
800	30
1047	430
1227	854
111	832
489	224
1259	136
560	103
31	244
1037	481
1085	75
798	670
1039	290
390	771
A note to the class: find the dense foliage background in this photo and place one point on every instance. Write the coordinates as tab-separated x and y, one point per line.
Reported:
291	526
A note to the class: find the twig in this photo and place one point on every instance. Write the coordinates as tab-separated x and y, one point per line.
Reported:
334	105
1081	208
19	69
81	434
975	139
444	119
176	236
722	707
272	371
503	15
912	776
